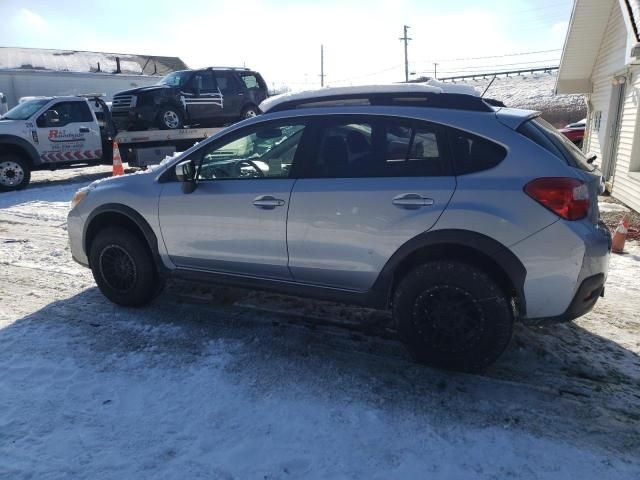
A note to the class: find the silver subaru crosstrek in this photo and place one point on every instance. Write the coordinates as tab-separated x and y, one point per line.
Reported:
460	217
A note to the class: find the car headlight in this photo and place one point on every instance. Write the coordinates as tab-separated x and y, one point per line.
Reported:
79	196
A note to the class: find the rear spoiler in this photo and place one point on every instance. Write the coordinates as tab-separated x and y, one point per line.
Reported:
513	118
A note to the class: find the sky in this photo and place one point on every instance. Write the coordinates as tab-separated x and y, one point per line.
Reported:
281	38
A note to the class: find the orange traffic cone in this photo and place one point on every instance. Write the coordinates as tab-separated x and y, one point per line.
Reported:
620	235
118	169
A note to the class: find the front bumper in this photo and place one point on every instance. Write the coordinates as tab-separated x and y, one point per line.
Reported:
75	230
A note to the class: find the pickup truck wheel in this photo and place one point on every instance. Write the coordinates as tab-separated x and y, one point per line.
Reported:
170	118
15	173
453	315
123	268
249	111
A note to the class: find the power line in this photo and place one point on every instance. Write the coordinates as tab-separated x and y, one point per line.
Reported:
484	67
494	56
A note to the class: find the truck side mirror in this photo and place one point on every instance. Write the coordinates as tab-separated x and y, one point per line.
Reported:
50	118
185	173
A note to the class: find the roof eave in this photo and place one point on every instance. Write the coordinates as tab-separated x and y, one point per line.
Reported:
573	85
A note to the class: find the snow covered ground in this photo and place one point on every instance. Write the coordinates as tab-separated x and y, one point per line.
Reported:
222	383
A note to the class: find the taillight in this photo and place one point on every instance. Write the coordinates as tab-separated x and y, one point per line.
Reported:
566	197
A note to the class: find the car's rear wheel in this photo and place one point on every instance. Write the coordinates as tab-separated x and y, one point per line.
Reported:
453	315
123	267
15	173
170	118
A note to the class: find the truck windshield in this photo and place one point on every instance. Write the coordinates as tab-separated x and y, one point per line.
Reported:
25	110
175	79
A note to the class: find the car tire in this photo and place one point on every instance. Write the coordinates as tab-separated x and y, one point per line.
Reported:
15	173
453	315
170	118
249	111
123	268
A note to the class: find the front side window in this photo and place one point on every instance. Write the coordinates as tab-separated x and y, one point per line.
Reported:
208	83
267	151
175	79
64	113
381	148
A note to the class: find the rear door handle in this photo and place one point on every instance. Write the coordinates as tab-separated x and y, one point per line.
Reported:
267	202
84	130
411	201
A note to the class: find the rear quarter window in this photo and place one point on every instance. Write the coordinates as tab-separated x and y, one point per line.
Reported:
548	137
472	153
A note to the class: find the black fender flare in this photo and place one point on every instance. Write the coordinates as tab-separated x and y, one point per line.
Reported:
131	215
32	154
494	250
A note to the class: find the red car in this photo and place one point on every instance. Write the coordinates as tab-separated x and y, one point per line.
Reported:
575	132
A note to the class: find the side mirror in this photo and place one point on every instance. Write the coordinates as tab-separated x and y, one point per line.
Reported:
50	118
185	173
269	133
197	87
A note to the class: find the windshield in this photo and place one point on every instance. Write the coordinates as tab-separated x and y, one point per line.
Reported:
25	110
175	79
548	137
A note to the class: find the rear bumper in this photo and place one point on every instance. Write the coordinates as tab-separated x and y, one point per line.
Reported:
584	300
562	262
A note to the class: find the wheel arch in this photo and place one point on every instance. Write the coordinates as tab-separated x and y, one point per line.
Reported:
470	247
19	146
119	215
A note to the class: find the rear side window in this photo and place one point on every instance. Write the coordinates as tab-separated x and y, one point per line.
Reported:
379	148
250	81
472	153
549	138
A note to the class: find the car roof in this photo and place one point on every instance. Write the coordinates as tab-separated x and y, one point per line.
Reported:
399	94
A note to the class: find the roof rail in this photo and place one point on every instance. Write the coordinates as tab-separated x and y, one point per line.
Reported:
227	68
432	99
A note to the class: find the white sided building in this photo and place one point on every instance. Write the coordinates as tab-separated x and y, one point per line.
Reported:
33	72
601	59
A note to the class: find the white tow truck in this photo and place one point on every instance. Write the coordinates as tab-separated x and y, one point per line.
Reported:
50	133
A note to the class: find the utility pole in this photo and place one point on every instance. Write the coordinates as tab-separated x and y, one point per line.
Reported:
322	65
435	70
406	39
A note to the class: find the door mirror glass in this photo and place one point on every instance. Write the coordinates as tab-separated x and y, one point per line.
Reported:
50	118
185	171
269	133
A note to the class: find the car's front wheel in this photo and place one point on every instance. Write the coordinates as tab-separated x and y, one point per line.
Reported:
170	118
123	267
453	315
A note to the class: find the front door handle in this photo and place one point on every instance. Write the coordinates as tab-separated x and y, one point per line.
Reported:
267	202
84	130
411	201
